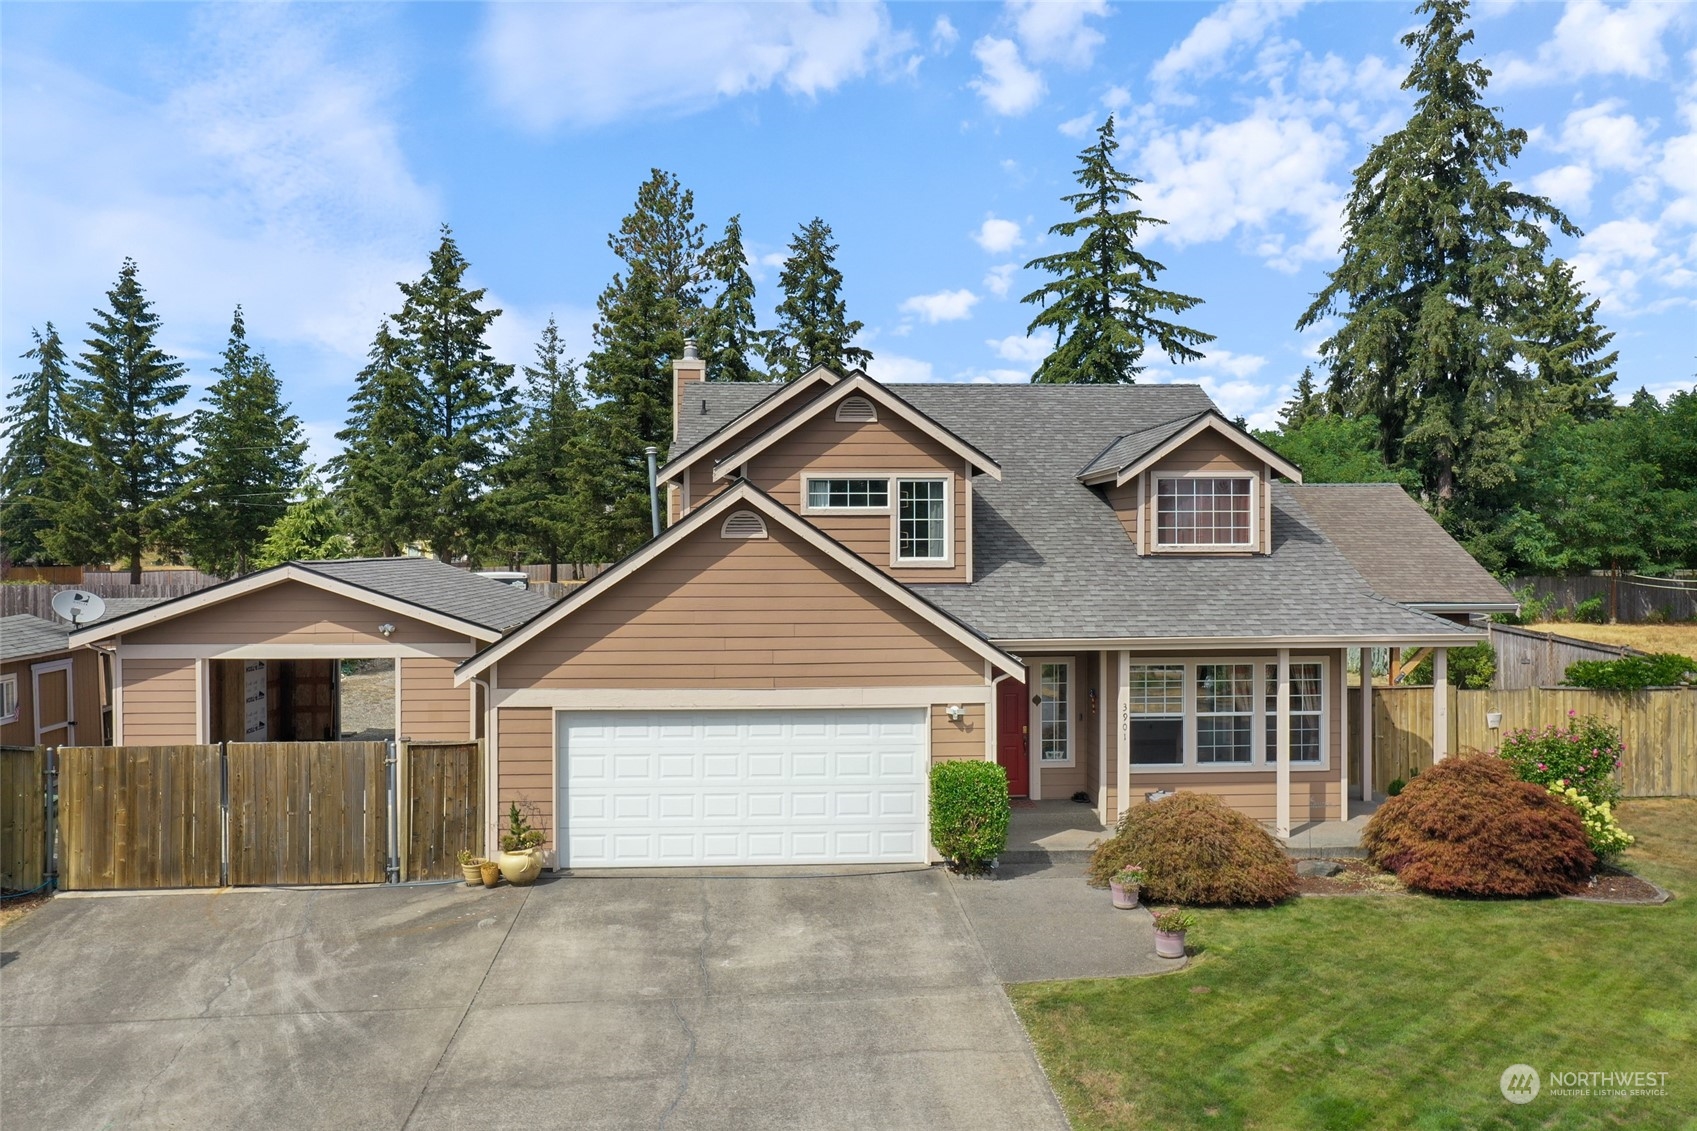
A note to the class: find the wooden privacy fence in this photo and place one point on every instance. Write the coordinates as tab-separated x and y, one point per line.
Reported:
1526	658
248	813
1659	728
23	817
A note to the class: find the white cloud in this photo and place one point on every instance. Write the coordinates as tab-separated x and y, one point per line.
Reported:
1592	38
1017	347
944	306
999	278
1569	186
997	236
943	36
1079	126
997	376
1605	136
1054	31
1117	98
1217	37
1234	364
1007	85
589	64
889	367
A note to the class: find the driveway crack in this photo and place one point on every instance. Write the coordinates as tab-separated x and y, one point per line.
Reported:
689	1030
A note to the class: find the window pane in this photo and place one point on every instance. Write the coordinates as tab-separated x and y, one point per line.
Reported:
1206	511
1225	688
1304	738
920	525
844	493
1157	742
1157	689
1223	738
1056	715
1306	684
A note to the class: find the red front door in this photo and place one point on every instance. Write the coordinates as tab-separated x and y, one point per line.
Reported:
1013	716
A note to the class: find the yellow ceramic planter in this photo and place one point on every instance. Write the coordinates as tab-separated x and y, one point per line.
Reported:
520	868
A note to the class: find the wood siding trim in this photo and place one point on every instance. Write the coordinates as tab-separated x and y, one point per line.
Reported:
524	769
159	703
291	612
431	708
961	741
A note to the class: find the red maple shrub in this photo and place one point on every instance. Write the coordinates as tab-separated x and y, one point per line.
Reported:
1468	826
1195	850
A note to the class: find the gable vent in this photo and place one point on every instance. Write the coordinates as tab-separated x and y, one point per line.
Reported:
857	410
743	524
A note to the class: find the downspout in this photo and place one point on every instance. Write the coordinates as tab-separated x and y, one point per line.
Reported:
653	490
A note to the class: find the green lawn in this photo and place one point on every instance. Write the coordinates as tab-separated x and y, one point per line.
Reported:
1396	1011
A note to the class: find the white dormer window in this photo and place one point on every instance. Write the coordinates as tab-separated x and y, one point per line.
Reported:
743	524
856	410
1205	512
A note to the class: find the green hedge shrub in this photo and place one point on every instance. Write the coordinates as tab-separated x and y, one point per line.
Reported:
1471	669
969	812
1583	753
1195	850
1468	826
1633	673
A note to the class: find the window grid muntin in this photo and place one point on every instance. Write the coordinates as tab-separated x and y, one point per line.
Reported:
922	520
1307	686
851	493
1204	510
1054	712
1225	705
1157	714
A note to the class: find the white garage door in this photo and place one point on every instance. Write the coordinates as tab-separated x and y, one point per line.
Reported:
689	788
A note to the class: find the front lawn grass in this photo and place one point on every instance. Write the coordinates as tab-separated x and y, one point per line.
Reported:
1396	1011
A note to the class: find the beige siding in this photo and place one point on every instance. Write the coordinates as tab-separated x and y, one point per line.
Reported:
526	773
1209	451
887	445
291	613
432	708
1061	782
957	741
159	702
747	613
85	707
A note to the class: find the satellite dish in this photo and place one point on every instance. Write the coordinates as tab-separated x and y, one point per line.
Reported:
78	606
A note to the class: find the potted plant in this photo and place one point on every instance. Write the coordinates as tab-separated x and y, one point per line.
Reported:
1124	886
1170	926
472	867
490	872
521	849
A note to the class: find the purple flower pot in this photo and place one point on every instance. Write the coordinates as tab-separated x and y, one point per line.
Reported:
1169	944
1125	898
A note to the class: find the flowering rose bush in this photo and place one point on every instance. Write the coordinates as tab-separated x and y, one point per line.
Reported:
1607	838
1582	753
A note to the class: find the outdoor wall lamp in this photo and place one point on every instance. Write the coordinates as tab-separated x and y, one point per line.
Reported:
956	712
386	629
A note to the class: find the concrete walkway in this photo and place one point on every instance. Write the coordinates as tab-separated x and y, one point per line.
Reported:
1052	832
1333	840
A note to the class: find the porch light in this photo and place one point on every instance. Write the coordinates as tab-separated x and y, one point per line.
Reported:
956	712
386	629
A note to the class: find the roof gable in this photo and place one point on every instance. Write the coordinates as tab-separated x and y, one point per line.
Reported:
781	396
1136	452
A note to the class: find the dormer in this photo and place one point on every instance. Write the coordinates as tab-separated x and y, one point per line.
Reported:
1191	486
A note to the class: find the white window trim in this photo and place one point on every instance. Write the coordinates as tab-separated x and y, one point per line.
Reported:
811	478
1036	716
1259	763
1249	547
12	715
947	561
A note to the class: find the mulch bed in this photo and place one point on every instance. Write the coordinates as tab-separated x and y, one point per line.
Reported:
1357	878
1611	885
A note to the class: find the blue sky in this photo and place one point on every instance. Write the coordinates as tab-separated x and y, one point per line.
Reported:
299	159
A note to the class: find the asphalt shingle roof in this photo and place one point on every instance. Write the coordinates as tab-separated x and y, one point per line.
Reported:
1399	548
432	584
23	636
1133	446
710	405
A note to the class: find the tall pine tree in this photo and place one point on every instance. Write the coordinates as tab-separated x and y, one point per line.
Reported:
383	445
1102	306
1459	333
249	461
124	503
813	323
468	408
37	467
545	495
729	337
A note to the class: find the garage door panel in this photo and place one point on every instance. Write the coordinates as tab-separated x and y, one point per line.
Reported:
672	788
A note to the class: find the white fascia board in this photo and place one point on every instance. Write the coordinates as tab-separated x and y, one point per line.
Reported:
726	698
866	386
1463	606
1460	637
787	395
1212	422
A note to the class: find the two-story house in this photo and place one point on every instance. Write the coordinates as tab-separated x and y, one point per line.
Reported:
1108	590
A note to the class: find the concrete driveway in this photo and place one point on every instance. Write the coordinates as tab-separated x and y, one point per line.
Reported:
623	1001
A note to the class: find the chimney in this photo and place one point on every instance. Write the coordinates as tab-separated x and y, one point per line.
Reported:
685	370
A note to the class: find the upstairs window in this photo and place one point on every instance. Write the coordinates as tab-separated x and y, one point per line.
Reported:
1214	511
922	527
848	494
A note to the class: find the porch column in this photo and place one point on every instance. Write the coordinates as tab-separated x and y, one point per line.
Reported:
1343	739
1367	724
1440	704
1104	707
1281	811
1122	728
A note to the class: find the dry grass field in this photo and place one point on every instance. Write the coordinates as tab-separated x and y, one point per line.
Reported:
1680	638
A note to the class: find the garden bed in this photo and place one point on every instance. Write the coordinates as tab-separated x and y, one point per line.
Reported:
1613	885
1357	877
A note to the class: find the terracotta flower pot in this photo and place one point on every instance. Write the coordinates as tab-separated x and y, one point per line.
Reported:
491	873
473	874
521	868
1169	944
1125	895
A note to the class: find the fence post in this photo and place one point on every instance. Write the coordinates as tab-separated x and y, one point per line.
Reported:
50	798
223	814
390	763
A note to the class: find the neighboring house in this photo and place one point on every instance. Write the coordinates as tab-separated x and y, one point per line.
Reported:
50	694
1109	590
260	658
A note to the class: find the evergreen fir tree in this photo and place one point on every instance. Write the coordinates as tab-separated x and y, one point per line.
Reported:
313	528
813	324
249	460
728	334
124	502
545	495
39	461
468	408
383	446
1304	406
1102	305
1460	335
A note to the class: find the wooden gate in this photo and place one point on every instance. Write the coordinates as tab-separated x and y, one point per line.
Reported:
140	817
23	817
308	813
441	784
